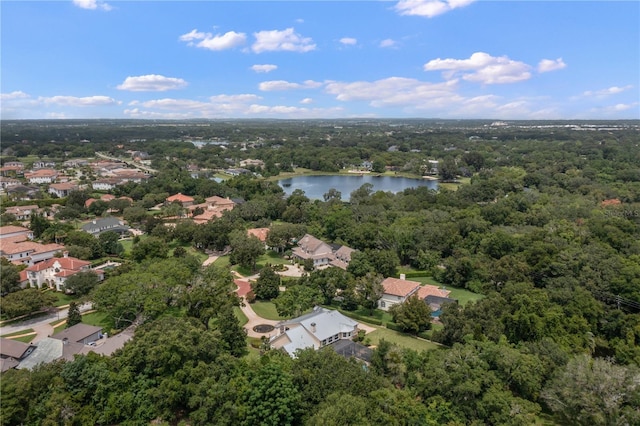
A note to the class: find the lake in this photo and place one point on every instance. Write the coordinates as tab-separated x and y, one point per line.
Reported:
315	187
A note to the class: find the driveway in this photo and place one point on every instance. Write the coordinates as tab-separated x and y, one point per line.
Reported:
41	324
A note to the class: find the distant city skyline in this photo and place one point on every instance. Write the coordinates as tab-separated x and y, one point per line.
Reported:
449	59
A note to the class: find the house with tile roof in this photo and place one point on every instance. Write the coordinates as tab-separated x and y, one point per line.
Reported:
22	212
20	251
54	272
213	207
396	290
315	330
184	200
42	176
62	189
11	231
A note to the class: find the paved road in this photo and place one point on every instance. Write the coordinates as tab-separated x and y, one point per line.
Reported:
40	324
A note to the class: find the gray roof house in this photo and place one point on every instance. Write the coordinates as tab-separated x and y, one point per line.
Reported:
49	350
317	329
80	333
98	226
12	352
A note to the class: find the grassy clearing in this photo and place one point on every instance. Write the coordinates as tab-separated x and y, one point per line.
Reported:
463	296
400	339
453	186
242	318
266	310
222	262
99	319
63	299
378	314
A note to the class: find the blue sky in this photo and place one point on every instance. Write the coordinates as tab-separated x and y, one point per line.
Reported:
324	59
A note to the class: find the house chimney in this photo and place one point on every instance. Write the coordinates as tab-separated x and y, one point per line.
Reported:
65	341
403	277
65	254
313	327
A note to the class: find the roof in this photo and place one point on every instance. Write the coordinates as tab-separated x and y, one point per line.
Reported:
180	197
398	287
69	264
63	186
49	350
29	246
259	233
10	229
327	322
105	222
7	364
42	173
432	290
110	344
299	338
77	333
13	348
349	348
311	244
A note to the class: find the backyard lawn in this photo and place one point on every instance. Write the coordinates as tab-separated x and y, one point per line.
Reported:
266	310
242	318
400	339
462	295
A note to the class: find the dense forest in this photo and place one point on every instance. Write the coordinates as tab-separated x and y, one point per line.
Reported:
546	227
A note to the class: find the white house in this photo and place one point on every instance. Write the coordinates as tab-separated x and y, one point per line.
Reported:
62	189
317	329
42	176
309	247
54	272
396	291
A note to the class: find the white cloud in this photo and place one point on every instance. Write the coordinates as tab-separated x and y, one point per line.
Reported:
547	65
391	91
613	90
264	68
388	43
348	41
92	5
429	8
287	40
152	83
278	85
13	95
228	40
74	101
484	69
306	101
242	98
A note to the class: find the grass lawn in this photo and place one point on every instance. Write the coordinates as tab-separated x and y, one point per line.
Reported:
63	299
23	339
378	314
99	319
58	326
242	318
222	262
400	339
273	258
454	186
462	295
266	310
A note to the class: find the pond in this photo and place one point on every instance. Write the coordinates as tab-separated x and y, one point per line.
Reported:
315	187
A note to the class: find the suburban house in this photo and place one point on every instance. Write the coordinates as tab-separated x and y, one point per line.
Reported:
80	333
259	233
110	223
17	247
322	254
55	271
315	330
12	352
309	247
213	207
49	350
23	192
62	189
105	184
11	231
396	290
184	200
42	176
7	182
22	212
12	168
